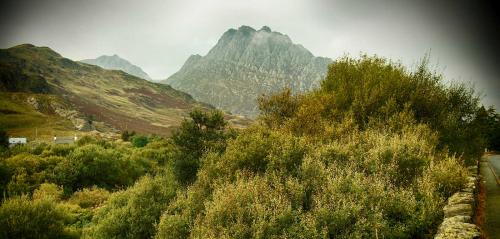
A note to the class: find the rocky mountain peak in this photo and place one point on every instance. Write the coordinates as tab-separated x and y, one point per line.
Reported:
115	62
246	63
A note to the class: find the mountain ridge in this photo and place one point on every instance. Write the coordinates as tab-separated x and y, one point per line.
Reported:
246	63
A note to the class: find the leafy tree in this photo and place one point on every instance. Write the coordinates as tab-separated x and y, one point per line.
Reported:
205	131
275	109
488	123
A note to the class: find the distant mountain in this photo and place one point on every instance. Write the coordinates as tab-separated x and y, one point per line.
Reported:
246	63
115	62
40	88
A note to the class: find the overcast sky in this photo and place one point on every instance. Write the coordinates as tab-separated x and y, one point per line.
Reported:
160	35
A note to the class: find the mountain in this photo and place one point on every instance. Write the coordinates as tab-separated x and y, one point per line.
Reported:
40	88
115	62
246	63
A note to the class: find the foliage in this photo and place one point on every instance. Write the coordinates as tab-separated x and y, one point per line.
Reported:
139	141
488	123
89	197
21	217
204	132
4	139
375	152
133	212
92	164
126	135
371	89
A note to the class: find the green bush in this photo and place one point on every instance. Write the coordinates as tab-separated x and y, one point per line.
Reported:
140	141
89	197
48	191
91	165
21	217
132	213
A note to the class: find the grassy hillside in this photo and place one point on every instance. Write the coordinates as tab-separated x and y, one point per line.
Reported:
113	98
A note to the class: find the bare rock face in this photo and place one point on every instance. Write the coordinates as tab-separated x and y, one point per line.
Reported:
246	63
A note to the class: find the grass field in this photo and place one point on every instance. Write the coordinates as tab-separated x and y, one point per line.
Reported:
20	119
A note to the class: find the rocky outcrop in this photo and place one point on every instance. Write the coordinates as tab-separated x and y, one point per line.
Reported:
459	211
246	63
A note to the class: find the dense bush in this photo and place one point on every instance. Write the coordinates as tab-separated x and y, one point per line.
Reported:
133	212
21	217
91	165
371	89
89	197
140	141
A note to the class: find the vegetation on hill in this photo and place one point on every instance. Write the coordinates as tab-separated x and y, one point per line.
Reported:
374	152
39	81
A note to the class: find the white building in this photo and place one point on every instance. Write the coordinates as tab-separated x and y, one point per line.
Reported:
15	141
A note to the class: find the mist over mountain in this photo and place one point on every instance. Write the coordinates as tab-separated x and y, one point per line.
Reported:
246	63
115	62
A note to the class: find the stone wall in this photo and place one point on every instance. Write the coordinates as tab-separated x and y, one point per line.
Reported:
459	211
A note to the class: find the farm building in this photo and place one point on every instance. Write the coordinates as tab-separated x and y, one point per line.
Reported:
16	141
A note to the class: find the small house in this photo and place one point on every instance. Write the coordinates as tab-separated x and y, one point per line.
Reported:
16	141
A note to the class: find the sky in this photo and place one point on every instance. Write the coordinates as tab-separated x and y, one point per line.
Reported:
159	35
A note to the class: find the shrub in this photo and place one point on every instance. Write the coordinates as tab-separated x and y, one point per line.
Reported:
447	175
140	141
21	217
133	212
254	208
91	165
89	197
126	135
48	191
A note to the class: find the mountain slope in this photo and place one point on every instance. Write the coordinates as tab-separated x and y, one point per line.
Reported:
246	63
115	62
51	85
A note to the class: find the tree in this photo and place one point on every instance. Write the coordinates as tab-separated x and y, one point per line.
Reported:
205	131
4	139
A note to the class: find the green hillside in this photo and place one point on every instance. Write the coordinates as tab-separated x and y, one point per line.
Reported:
76	92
